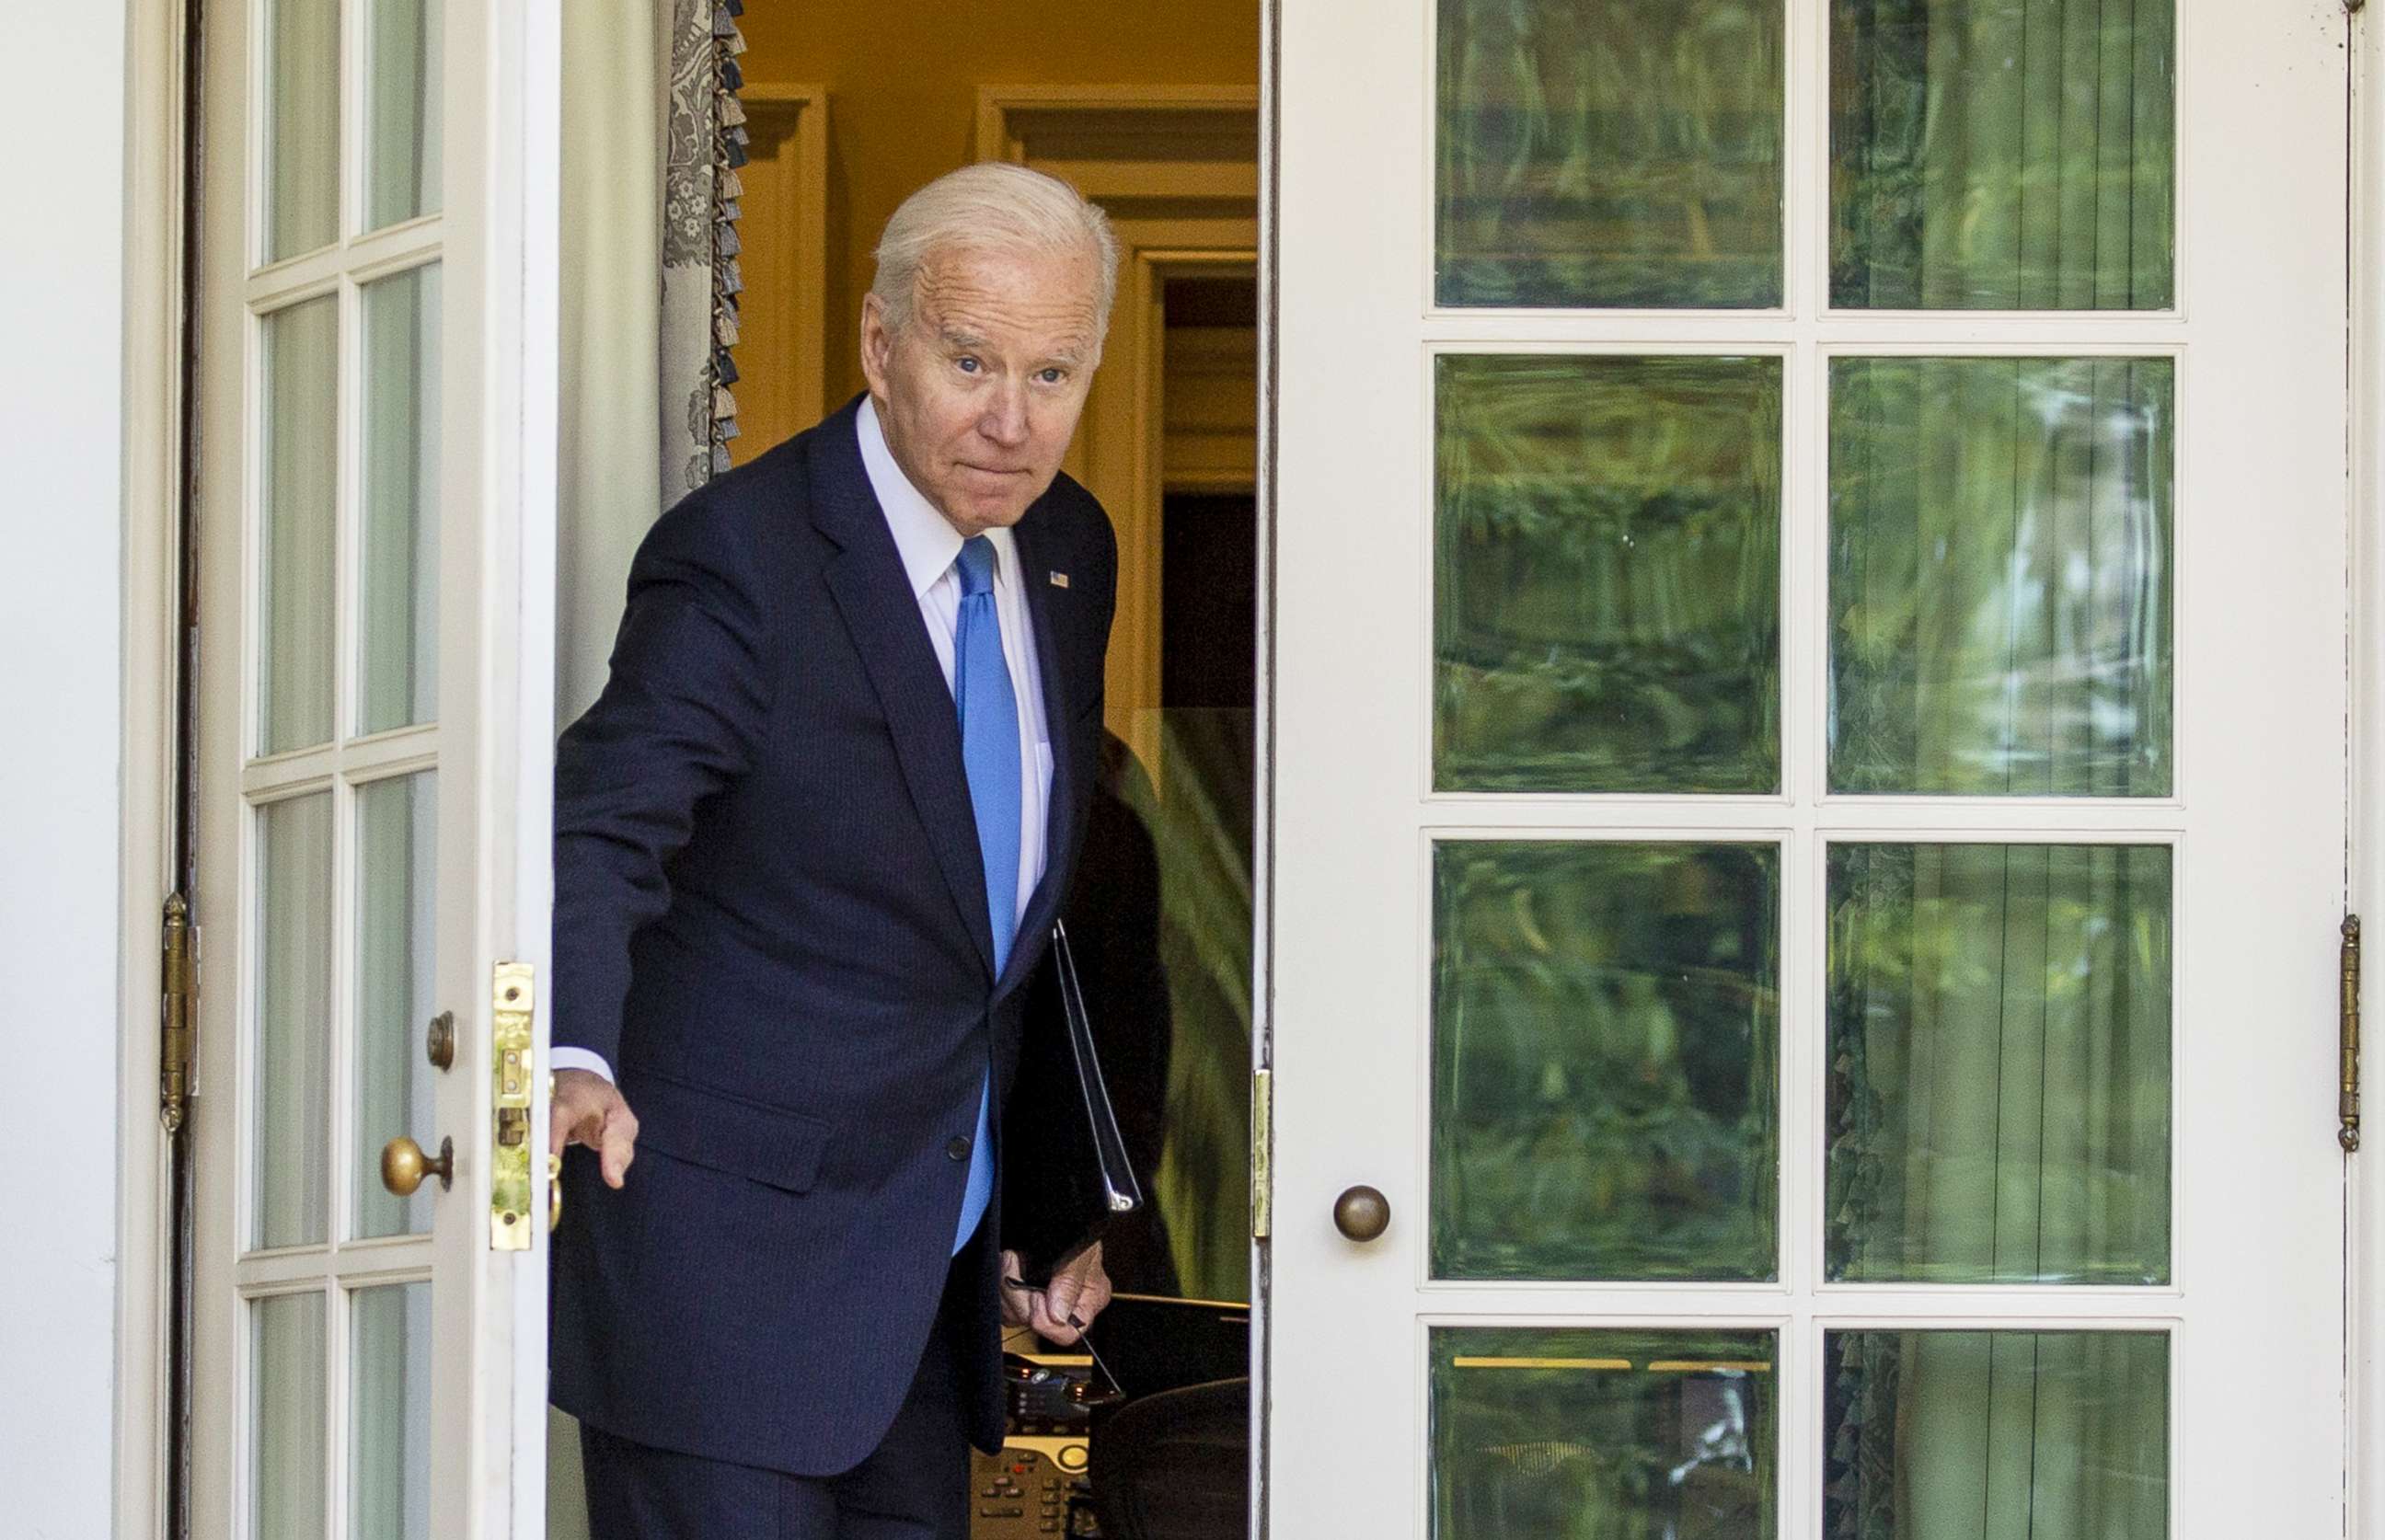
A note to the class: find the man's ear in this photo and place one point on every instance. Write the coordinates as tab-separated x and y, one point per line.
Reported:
877	342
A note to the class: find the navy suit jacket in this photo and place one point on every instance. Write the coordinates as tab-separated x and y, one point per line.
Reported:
770	919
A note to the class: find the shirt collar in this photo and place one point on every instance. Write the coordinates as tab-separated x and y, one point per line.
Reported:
924	538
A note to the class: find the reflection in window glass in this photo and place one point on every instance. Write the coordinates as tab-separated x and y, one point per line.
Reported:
1606	569
1608	153
1159	924
2001	577
1999	1020
2001	154
1978	1436
1579	1434
1606	1050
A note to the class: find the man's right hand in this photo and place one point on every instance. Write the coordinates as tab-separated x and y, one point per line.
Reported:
587	1109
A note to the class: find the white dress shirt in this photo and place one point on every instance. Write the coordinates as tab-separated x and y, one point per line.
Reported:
931	550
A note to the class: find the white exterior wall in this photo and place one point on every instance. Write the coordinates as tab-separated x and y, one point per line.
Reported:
62	106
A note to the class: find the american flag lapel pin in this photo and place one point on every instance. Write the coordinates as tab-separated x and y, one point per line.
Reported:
1059	579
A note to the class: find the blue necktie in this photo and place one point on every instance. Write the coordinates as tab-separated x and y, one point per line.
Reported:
989	708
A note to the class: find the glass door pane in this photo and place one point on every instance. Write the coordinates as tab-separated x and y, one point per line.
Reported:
2003	155
1632	1435
286	1419
402	142
1609	153
302	126
291	1075
397	850
299	524
1999	1041
389	1423
1605	1059
1977	1435
2002	576
397	645
1606	560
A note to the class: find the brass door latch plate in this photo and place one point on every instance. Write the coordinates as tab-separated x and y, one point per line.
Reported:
511	1050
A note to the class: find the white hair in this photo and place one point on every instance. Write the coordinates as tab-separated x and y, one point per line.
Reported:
993	206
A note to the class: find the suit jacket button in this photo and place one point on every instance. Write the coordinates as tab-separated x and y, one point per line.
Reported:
958	1150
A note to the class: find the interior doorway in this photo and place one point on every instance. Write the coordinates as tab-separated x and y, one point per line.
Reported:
845	110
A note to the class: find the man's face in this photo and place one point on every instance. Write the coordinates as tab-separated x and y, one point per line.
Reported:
980	392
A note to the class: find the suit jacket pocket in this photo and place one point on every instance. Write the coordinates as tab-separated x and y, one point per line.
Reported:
774	1146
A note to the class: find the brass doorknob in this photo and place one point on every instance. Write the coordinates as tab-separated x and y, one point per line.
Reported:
402	1165
1362	1213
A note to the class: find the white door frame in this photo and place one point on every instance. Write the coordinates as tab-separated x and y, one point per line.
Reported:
2365	1204
153	402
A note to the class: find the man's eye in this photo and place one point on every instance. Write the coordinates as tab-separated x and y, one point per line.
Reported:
968	366
1052	377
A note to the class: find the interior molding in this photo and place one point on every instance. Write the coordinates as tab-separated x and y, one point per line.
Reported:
1176	168
1210	420
1130	143
783	229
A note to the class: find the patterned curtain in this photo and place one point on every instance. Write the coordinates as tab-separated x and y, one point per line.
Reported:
704	145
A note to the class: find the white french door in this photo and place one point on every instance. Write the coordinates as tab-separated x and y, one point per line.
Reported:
375	604
1808	773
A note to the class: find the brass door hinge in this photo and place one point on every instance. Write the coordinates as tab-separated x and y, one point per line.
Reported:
511	1003
2347	1029
1262	1154
177	1012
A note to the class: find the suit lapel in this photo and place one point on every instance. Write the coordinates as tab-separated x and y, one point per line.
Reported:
1061	827
873	593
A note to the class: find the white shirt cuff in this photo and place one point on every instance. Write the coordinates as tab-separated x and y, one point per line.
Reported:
580	1059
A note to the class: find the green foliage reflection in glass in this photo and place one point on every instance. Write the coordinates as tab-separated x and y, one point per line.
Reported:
1609	153
2001	576
1966	1435
1606	574
1199	819
1605	1052
1999	1022
2001	154
1602	1434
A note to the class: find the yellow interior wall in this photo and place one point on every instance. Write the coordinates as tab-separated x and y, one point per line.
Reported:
902	78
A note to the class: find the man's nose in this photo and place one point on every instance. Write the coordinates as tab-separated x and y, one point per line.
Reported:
1005	419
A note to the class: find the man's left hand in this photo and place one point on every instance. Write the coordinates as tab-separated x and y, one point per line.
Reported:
1060	1311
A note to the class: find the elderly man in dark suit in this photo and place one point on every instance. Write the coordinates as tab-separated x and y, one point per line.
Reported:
810	847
